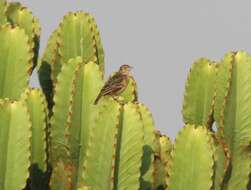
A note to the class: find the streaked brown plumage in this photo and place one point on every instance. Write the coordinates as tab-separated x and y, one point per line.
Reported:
116	84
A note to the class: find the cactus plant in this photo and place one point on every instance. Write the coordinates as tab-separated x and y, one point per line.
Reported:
15	134
2	12
15	61
112	145
83	41
196	169
77	87
235	116
21	16
199	93
37	108
147	179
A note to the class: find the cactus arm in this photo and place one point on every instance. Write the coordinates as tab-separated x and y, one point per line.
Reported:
192	160
224	74
129	150
60	177
37	34
165	156
162	161
37	108
36	104
74	112
199	93
15	61
51	48
51	56
49	68
62	109
3	19
22	17
102	147
147	169
76	37
158	167
88	84
222	160
237	122
99	47
159	175
15	134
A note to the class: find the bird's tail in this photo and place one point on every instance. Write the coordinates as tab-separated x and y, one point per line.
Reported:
97	99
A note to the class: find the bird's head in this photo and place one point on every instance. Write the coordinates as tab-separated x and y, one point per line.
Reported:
125	69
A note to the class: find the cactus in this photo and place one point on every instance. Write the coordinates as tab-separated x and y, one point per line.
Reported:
78	85
15	61
37	108
222	160
115	143
3	19
235	115
199	93
147	167
165	156
21	16
83	41
192	160
102	146
130	149
15	134
112	145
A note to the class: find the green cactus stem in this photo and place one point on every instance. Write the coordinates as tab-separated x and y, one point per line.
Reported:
3	18
235	116
165	155
147	167
224	74
77	35
21	16
102	147
199	93
222	160
129	149
15	134
37	108
192	160
15	61
78	86
162	160
51	56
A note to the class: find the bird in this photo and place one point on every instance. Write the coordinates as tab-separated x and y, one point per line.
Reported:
116	84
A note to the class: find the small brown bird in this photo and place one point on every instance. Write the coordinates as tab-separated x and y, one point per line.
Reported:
116	84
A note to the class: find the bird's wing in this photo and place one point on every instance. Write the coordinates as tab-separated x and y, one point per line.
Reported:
113	84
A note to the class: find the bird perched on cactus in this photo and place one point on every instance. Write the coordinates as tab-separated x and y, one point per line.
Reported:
116	84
